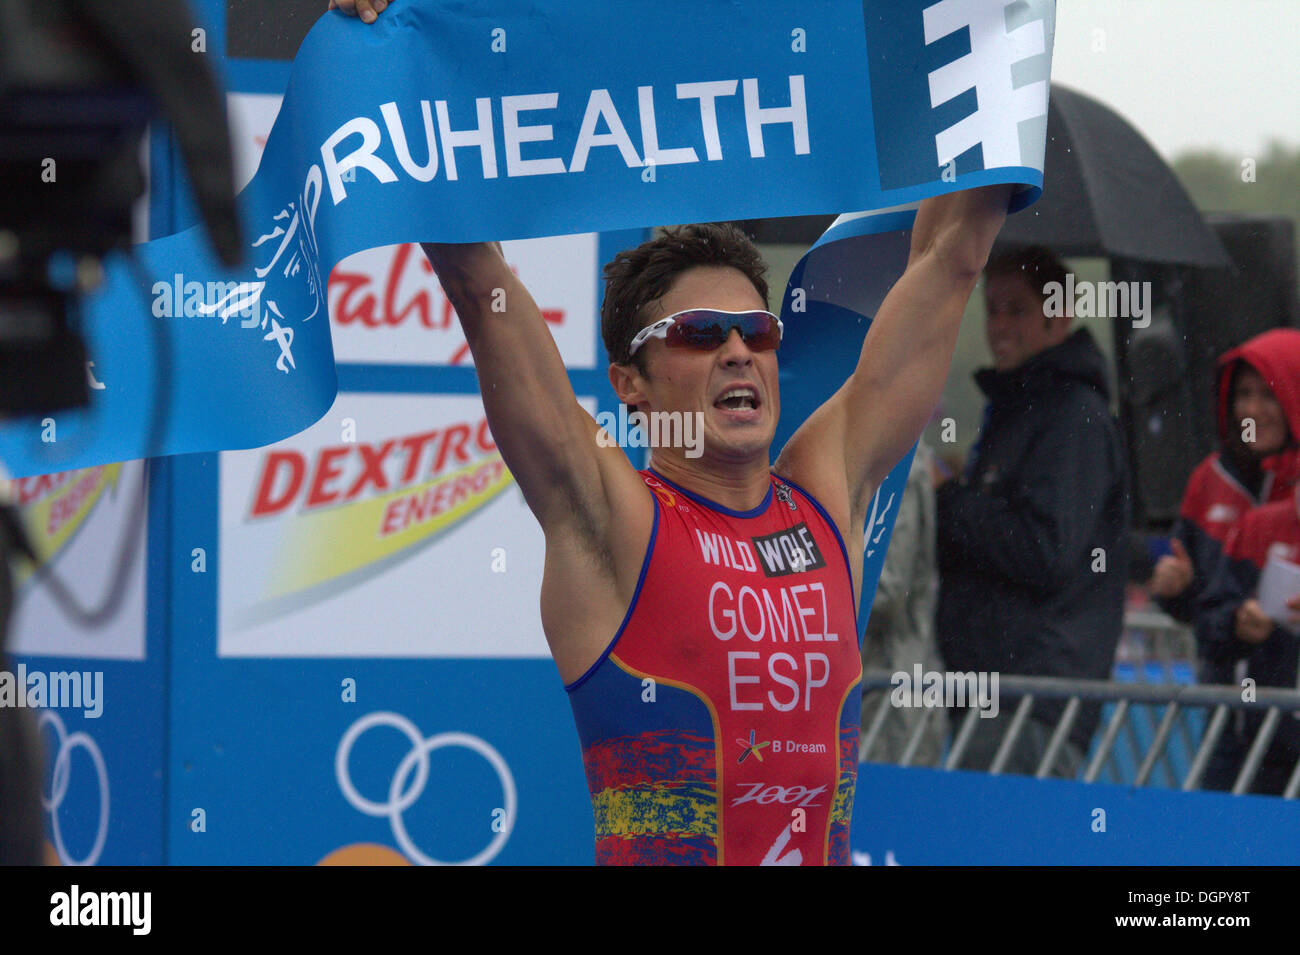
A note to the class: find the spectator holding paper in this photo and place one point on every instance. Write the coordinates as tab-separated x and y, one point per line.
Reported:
1251	613
1258	416
1248	609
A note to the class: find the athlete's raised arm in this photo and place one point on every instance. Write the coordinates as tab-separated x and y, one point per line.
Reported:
547	439
594	508
848	445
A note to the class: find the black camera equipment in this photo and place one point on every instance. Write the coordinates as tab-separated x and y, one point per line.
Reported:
79	82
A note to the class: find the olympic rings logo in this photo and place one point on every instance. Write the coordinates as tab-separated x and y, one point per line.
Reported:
59	786
417	762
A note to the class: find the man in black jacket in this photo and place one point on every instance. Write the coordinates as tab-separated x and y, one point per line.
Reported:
1031	539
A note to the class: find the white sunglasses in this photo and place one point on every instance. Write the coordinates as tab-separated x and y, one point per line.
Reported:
705	329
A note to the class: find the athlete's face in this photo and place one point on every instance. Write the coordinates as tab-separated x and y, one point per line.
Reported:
1253	400
689	380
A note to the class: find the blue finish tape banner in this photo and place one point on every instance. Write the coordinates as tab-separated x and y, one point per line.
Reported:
443	123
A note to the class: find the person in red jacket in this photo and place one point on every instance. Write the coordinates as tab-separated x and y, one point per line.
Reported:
1258	418
1232	626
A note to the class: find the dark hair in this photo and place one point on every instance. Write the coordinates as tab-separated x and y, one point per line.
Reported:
1035	264
636	278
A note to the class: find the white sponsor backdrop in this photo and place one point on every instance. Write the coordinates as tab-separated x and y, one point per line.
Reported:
386	306
87	565
440	597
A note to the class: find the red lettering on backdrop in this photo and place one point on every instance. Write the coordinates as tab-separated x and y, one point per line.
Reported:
424	505
421	300
264	502
347	313
363	469
457	434
326	471
33	488
357	303
373	463
414	446
66	507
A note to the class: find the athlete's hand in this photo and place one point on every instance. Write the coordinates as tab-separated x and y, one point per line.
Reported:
367	10
1173	573
1253	625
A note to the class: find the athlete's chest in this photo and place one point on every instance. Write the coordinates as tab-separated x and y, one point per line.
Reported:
754	614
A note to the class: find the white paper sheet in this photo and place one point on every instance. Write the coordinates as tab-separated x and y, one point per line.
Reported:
1279	582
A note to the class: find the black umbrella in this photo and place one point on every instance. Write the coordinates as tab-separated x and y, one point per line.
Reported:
1106	192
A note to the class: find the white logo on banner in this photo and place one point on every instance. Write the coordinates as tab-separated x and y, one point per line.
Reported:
295	228
417	760
876	522
986	69
59	787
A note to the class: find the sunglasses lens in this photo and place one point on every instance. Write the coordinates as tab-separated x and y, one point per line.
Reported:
709	330
759	331
701	330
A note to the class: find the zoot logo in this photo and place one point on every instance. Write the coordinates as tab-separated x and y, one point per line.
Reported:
417	761
59	786
764	795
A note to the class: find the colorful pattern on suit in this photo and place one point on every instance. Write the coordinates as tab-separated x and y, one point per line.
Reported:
721	725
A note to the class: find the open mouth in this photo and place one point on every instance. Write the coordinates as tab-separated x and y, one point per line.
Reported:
738	399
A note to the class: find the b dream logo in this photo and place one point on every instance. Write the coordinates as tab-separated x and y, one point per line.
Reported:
347	506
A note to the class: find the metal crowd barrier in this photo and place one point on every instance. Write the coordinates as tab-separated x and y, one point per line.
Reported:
1154	643
1178	701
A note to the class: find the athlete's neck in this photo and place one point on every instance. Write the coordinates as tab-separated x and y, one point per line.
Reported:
739	486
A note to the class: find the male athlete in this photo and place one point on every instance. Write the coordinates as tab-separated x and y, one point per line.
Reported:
702	613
